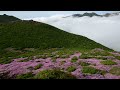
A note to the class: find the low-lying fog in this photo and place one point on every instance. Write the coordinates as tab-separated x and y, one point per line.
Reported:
104	30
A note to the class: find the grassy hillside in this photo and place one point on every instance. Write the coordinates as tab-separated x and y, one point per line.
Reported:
34	50
30	38
5	18
30	34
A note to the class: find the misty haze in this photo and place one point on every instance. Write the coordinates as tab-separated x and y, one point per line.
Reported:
104	30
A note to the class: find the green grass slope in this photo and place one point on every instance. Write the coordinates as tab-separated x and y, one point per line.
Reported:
29	38
5	18
30	34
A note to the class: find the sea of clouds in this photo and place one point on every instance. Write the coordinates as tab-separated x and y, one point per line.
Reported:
104	30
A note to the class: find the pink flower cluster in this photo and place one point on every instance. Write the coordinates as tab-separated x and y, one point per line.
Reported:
16	67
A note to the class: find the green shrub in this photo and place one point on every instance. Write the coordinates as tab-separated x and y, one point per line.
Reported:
95	54
38	66
38	56
108	62
52	55
84	63
62	62
71	69
99	53
57	56
74	59
5	60
103	58
117	57
64	56
28	75
91	70
44	56
54	74
25	60
115	70
84	56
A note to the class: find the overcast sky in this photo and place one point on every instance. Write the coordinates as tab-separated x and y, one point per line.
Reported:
34	14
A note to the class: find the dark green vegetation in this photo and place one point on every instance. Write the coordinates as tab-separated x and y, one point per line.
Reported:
117	57
91	70
74	59
84	63
28	75
98	54
30	38
64	56
71	69
38	66
47	74
5	60
115	70
54	74
5	18
108	62
30	34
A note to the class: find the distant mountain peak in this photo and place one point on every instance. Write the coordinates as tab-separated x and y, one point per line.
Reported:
111	14
85	14
92	14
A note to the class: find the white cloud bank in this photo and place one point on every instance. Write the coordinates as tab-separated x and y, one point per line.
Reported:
105	30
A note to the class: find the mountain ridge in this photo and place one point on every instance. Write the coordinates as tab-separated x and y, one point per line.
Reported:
29	34
33	31
6	18
35	50
93	14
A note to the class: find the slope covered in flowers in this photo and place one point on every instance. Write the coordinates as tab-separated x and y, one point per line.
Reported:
34	50
91	68
17	37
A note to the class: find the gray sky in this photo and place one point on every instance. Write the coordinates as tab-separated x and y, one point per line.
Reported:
34	14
